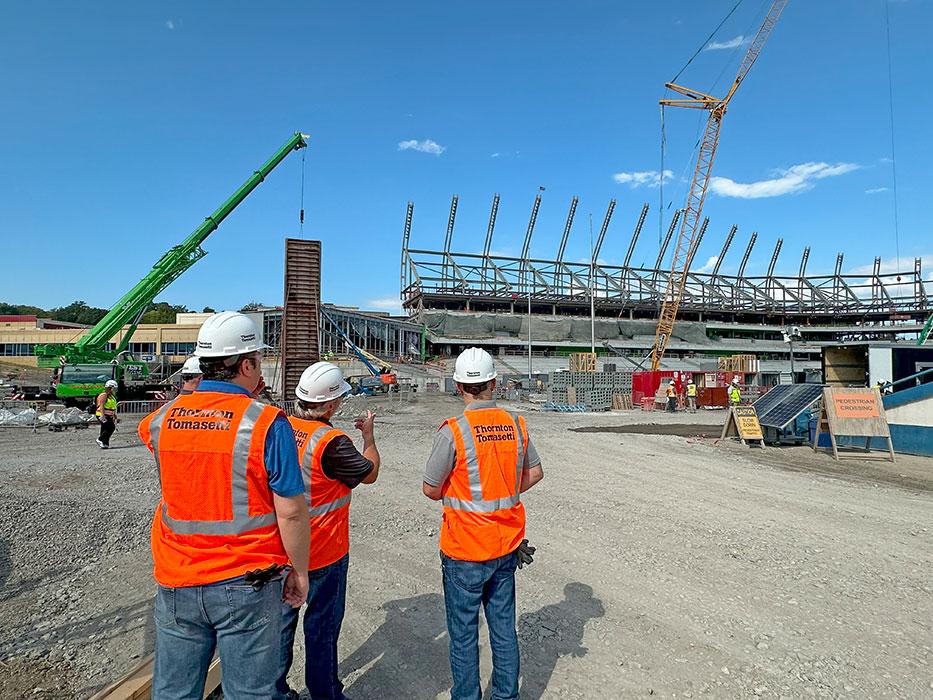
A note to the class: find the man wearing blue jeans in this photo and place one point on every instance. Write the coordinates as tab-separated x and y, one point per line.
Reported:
331	468
232	515
481	463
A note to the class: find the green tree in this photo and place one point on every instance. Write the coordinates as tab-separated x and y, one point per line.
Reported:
163	312
208	310
252	306
78	312
20	310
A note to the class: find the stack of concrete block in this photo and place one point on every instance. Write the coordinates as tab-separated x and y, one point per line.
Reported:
595	389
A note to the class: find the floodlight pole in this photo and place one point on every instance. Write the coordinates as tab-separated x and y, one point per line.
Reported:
592	303
529	337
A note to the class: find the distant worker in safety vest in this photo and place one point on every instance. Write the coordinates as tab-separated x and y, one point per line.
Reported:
190	375
331	468
692	395
232	517
481	463
106	413
735	395
671	396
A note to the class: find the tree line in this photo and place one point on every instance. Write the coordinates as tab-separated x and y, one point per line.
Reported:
81	312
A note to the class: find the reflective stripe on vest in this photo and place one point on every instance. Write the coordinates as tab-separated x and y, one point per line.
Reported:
242	521
307	462
328	499
477	504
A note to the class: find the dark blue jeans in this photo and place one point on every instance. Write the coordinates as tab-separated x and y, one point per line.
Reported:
242	624
327	597
467	585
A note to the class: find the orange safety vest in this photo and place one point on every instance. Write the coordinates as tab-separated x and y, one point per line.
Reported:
483	514
328	499
671	392
216	519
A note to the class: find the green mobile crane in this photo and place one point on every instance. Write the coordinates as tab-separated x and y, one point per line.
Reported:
83	367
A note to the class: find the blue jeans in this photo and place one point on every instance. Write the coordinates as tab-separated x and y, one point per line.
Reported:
467	585
241	623
327	597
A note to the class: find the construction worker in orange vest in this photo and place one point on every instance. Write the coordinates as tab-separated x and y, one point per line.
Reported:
331	468
231	518
671	396
481	463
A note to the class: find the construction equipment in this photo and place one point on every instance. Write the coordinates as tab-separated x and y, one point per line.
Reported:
690	223
84	366
382	379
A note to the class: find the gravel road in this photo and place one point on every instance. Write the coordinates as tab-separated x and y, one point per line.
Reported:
667	566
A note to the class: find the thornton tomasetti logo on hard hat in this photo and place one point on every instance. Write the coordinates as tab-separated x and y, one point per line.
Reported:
249	336
473	374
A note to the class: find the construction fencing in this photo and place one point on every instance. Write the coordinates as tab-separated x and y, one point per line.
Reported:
139	408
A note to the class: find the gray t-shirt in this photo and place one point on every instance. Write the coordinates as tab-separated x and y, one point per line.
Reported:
444	453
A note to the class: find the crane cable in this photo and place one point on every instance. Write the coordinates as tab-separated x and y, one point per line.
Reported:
301	210
706	43
663	132
887	31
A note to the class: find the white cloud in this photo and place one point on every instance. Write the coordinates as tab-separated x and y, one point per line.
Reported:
648	178
797	178
732	43
495	155
385	304
425	146
169	24
890	266
876	190
710	264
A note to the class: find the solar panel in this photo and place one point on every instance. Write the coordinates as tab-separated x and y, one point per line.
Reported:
788	402
774	395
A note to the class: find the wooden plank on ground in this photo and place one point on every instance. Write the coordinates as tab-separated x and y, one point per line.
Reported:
137	684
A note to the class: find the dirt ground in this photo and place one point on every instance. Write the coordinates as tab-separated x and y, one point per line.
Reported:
667	566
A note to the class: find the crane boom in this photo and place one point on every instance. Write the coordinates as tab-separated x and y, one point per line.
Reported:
91	347
690	222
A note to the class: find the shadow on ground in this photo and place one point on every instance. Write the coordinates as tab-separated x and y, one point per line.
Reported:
406	657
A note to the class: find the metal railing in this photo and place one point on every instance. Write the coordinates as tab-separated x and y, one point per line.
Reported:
141	408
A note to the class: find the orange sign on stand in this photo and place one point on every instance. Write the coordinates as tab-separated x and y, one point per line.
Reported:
853	413
858	406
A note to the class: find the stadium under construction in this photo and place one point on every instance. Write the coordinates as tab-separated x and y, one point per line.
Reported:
559	305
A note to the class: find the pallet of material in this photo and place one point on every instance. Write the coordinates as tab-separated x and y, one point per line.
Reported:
583	362
739	363
621	402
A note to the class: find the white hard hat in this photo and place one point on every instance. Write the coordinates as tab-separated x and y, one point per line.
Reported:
672	382
192	366
474	366
320	382
110	384
735	380
228	333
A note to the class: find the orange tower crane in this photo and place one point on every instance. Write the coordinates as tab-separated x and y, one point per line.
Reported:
690	222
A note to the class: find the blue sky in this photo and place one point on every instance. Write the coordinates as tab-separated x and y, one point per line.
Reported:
125	124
